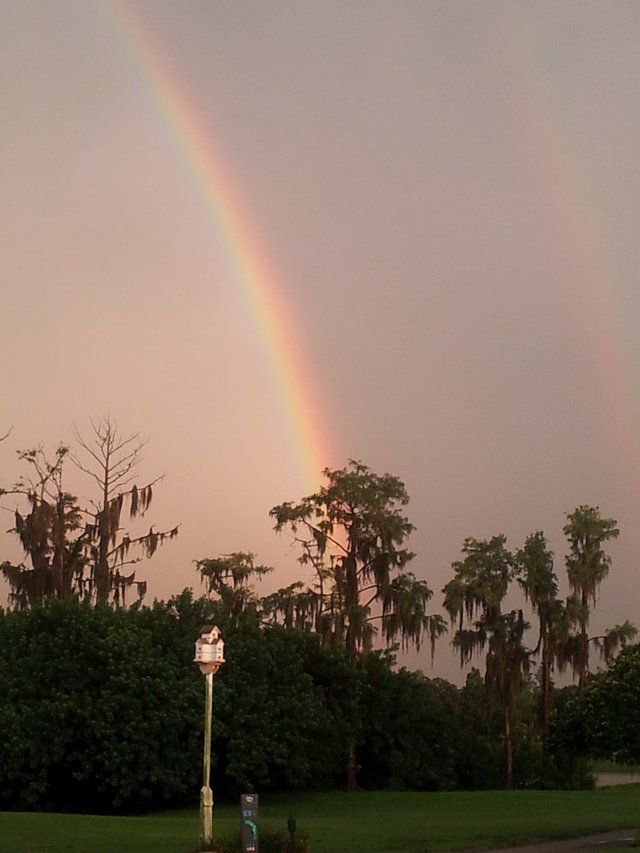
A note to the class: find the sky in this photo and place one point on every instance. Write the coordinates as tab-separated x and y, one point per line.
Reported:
275	236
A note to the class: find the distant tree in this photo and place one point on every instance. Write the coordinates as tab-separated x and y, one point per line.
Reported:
50	533
536	576
614	639
294	606
479	745
474	599
603	719
230	579
110	460
563	637
409	735
352	533
587	567
76	550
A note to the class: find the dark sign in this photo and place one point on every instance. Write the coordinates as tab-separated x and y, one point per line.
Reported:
249	823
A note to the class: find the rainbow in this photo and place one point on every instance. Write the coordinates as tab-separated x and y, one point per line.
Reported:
573	216
249	264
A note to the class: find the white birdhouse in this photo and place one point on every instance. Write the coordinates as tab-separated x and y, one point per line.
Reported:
209	650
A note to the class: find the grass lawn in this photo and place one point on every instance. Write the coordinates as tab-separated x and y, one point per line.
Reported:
379	822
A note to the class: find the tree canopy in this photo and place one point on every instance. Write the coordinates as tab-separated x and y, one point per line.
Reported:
352	533
474	600
310	674
82	549
603	719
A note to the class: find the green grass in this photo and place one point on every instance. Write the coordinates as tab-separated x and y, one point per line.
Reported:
377	822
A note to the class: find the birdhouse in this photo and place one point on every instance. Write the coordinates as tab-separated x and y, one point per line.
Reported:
209	650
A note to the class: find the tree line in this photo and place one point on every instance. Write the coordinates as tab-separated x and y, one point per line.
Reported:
101	710
351	536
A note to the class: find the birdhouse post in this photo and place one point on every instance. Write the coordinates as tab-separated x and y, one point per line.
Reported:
209	657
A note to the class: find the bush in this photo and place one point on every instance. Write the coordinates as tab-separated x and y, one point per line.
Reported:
270	841
102	713
101	710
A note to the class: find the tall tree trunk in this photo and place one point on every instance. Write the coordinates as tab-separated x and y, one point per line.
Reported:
584	643
546	689
59	541
508	749
352	768
102	579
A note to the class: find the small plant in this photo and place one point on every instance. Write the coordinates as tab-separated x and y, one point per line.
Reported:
270	841
292	827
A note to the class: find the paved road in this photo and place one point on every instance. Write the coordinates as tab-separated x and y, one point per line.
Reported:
606	779
589	844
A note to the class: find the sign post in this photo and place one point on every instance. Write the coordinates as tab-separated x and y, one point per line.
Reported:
249	823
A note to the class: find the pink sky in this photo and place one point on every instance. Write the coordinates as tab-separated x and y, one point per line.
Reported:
445	202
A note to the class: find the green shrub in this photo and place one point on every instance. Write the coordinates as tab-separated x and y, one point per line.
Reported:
270	841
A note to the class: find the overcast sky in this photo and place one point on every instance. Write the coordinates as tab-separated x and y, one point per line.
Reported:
447	195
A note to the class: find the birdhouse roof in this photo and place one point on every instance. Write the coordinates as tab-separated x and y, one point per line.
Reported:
209	633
